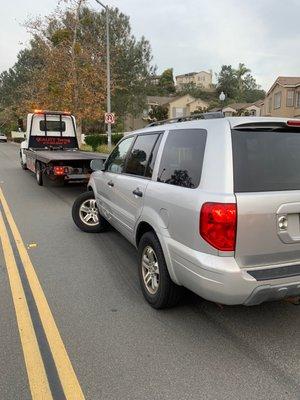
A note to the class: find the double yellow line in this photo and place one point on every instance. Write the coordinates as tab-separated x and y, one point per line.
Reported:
37	376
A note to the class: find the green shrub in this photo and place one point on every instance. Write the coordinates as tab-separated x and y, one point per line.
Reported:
98	140
18	140
116	137
95	140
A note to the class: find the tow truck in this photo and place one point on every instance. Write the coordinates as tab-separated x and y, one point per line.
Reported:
51	148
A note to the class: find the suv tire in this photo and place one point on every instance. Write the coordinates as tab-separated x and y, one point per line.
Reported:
161	291
83	206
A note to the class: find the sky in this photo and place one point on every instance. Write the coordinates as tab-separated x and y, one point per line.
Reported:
190	35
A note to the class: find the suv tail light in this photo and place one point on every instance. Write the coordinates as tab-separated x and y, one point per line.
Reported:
293	122
218	222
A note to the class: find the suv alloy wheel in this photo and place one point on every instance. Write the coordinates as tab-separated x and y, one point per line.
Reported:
157	287
86	215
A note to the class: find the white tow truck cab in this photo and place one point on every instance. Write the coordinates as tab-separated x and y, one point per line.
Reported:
51	147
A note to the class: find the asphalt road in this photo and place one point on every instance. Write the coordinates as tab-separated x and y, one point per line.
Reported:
119	347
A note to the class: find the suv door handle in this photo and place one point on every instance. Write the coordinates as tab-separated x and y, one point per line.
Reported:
110	183
137	192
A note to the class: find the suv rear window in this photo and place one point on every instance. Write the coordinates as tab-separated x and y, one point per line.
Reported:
266	161
182	158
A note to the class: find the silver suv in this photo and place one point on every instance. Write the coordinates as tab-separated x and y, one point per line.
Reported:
212	205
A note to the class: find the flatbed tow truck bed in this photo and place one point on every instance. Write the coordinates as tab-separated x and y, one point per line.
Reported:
67	165
47	156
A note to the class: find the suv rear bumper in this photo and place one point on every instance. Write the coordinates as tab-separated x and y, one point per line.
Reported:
221	280
272	293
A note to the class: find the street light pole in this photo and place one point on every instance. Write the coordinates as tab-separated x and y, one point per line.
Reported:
107	71
222	97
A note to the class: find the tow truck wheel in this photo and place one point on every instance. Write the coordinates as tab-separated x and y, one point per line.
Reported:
23	165
39	174
86	215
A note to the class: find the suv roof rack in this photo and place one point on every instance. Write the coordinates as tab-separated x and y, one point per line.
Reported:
207	115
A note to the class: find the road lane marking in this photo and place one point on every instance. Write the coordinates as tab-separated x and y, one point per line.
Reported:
38	382
66	373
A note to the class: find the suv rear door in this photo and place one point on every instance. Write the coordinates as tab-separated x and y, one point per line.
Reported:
266	162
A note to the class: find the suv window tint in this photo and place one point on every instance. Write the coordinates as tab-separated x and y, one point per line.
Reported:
116	161
140	154
266	161
152	159
53	126
182	158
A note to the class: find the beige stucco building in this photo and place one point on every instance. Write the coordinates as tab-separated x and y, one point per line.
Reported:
283	98
201	79
185	105
177	106
238	109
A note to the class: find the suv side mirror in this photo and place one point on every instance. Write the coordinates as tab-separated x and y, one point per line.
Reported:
97	165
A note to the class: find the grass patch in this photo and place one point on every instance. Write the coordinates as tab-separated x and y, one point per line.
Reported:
86	147
103	148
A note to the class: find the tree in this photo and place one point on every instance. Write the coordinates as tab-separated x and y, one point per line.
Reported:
251	91
240	73
238	85
199	93
163	86
69	69
15	84
166	82
227	82
199	110
158	113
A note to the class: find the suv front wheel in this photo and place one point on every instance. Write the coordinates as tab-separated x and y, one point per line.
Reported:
86	215
157	287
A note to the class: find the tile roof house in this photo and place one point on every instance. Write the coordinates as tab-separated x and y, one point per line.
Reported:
283	98
182	106
242	109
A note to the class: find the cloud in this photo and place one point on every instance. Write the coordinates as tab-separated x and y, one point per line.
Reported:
197	34
193	35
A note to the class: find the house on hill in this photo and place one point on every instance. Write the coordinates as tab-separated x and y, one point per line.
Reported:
283	98
200	79
176	107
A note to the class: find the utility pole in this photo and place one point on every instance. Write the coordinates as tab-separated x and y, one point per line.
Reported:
107	71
